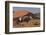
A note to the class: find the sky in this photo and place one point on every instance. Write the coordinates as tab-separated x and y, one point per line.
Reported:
30	9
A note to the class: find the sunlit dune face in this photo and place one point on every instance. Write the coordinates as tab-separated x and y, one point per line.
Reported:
20	13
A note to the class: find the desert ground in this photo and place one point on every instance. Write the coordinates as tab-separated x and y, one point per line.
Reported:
31	23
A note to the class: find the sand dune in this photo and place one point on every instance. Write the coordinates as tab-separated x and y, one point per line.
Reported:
20	13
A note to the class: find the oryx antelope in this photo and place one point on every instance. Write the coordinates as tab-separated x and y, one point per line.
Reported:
23	19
